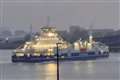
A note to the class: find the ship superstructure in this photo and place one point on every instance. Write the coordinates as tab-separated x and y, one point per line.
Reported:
44	44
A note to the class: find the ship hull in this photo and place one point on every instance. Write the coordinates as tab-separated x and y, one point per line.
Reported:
78	56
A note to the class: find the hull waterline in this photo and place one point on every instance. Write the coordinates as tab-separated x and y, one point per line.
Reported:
39	59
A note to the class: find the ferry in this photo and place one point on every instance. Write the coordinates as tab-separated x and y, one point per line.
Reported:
50	46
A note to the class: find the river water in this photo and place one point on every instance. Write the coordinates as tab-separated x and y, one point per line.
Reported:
101	69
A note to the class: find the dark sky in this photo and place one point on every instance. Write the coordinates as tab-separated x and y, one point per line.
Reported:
19	14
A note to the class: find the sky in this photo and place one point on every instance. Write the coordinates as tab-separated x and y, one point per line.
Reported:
20	14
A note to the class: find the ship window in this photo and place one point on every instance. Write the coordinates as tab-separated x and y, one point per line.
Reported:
64	54
75	54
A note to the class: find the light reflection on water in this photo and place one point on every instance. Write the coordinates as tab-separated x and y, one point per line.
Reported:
102	69
50	71
90	67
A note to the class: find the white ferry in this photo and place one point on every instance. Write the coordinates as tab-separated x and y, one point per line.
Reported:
50	46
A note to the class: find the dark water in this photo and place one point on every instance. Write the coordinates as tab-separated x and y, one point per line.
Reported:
102	69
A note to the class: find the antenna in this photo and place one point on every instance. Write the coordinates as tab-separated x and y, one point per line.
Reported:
91	32
13	31
2	14
48	21
91	29
30	31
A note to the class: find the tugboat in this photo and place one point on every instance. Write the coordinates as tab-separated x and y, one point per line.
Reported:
50	46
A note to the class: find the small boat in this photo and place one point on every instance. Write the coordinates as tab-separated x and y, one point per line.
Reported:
50	46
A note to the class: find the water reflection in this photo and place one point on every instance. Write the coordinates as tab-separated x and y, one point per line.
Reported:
101	69
77	67
90	67
48	71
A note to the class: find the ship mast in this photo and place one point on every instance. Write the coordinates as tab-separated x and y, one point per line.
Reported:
30	31
2	14
91	33
48	21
